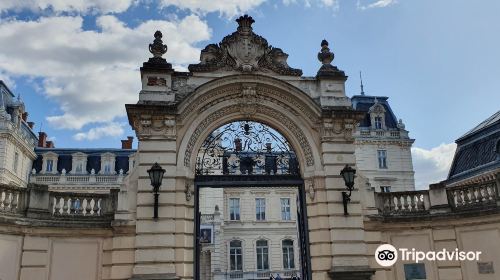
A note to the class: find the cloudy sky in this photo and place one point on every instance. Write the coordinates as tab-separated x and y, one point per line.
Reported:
75	62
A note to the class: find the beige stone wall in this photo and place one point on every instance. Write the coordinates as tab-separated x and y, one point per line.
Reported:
60	254
479	233
399	172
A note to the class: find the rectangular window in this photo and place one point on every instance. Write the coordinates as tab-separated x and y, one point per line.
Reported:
79	167
107	168
385	188
234	209
16	161
235	256
288	260
285	209
262	255
378	122
382	158
260	209
50	165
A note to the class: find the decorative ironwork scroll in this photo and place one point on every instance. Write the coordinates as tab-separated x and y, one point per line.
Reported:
246	148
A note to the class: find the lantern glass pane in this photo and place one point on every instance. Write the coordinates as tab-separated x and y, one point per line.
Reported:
351	177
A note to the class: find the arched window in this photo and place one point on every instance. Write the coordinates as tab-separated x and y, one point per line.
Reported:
235	255
262	255
288	260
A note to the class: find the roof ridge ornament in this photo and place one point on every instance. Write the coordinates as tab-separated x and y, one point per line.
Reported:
244	51
362	87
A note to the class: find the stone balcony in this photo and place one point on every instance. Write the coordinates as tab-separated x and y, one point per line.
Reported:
438	200
380	133
37	206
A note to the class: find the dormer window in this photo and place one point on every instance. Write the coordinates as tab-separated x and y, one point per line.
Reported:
107	163
79	168
49	164
79	163
377	115
107	168
378	122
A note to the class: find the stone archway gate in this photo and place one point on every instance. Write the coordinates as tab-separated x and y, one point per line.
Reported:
176	112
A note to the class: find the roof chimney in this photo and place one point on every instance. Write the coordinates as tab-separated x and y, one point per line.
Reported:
49	144
31	125
127	144
25	116
42	139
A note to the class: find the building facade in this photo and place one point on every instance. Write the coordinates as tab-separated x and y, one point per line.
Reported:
383	146
17	140
255	237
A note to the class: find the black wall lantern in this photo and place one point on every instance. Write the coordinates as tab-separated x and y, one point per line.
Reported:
348	174
156	176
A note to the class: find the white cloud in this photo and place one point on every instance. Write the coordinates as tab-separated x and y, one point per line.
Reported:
91	74
432	166
376	4
229	8
111	129
79	6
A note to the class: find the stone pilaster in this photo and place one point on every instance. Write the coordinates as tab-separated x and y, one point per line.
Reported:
164	247
345	232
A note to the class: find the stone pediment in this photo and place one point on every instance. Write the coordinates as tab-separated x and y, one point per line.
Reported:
244	51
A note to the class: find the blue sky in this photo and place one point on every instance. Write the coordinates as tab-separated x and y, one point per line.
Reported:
75	62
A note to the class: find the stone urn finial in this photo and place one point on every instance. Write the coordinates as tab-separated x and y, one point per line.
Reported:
157	48
325	56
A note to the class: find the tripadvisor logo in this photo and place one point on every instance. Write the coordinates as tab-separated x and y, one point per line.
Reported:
387	255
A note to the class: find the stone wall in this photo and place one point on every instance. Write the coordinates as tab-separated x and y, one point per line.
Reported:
61	254
479	233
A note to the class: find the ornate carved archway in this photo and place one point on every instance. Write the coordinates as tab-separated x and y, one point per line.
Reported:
250	97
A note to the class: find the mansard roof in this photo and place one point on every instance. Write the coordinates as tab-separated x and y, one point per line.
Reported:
478	150
365	102
93	158
491	121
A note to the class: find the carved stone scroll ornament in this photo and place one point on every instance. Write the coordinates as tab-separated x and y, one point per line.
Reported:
338	128
244	51
155	127
248	100
310	189
189	190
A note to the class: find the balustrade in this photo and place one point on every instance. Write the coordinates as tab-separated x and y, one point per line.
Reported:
472	196
284	274
403	203
11	199
77	204
77	179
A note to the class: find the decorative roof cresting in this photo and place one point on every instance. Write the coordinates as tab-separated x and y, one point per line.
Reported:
244	51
